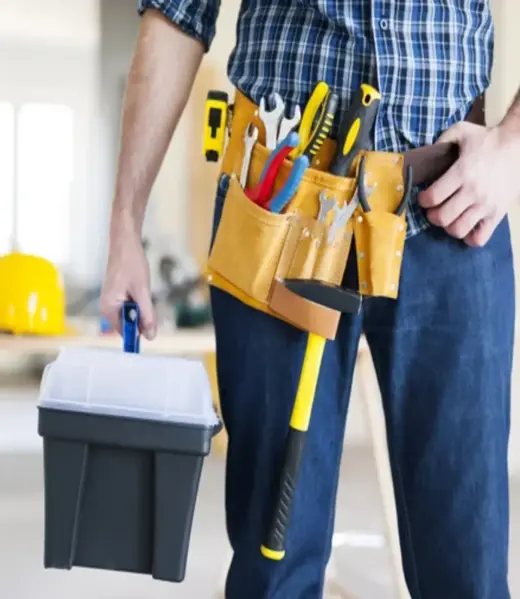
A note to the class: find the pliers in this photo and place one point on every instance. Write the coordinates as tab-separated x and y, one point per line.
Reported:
261	193
362	194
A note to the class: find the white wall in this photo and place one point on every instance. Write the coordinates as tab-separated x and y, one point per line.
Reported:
48	52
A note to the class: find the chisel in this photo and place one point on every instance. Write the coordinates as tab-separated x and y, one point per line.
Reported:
355	128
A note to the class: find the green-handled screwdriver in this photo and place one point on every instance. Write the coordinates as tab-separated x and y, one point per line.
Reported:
355	129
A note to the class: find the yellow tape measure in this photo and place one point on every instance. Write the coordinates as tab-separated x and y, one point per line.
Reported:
215	124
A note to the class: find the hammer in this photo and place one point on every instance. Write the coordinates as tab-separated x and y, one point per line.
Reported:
340	300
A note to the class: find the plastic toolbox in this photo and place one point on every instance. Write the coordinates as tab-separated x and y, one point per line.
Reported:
124	437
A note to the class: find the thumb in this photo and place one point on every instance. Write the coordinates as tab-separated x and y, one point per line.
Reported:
147	318
453	134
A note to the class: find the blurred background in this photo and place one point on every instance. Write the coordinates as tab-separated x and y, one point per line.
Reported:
62	75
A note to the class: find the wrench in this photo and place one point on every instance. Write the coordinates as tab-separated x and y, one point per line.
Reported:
326	206
341	215
271	120
288	124
250	137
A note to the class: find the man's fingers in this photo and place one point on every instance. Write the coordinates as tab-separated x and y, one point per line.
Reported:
448	212
443	188
453	134
147	319
466	222
483	231
111	310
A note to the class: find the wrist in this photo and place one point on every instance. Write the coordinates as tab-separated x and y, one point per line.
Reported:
509	134
123	221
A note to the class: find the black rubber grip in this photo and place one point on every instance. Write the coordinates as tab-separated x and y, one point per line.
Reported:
275	540
364	109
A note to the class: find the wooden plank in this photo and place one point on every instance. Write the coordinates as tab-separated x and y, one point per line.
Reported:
195	342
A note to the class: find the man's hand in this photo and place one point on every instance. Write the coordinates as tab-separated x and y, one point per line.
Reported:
128	277
473	196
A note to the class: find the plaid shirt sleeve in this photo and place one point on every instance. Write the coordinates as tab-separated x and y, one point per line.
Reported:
197	18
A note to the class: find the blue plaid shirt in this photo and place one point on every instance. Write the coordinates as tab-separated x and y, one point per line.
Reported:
429	58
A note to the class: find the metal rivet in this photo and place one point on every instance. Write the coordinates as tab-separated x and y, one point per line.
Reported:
306	232
396	160
401	227
360	219
398	254
392	286
361	255
209	278
317	162
399	187
363	285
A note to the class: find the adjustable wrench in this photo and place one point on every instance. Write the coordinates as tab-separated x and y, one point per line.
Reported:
271	120
250	137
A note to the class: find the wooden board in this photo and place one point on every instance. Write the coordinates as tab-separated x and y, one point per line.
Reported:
185	342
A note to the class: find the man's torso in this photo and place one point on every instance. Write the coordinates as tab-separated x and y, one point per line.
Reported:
429	58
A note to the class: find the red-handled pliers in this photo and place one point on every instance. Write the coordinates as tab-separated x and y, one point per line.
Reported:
261	192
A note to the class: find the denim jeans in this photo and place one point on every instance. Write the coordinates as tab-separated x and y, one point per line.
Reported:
443	356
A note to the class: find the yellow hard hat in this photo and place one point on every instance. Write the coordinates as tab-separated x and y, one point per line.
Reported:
32	296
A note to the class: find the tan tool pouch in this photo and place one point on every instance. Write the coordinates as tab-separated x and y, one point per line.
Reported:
254	249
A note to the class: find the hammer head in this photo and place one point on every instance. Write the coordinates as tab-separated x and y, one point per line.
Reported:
325	294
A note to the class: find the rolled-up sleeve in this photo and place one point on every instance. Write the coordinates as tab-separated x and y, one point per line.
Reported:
197	18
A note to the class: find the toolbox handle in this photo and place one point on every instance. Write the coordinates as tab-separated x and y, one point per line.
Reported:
130	327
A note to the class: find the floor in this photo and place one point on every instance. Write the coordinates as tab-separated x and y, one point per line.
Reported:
361	559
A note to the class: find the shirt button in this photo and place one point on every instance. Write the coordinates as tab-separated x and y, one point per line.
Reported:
383	23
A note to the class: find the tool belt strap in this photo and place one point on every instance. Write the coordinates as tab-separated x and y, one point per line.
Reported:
428	162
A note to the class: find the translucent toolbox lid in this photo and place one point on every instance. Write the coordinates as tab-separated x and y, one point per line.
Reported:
115	383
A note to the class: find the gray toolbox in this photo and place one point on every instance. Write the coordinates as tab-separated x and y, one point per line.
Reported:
124	438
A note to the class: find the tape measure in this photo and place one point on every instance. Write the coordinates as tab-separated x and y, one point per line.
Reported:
215	124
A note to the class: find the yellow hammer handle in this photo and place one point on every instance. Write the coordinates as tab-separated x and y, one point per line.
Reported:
274	547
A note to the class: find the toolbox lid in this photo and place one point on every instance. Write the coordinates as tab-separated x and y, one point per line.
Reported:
111	382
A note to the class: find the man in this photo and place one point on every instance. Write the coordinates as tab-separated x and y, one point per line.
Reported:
442	351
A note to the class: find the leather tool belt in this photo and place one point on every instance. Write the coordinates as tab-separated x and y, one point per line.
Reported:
254	250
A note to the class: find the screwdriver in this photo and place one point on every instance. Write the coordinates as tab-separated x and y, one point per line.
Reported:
355	128
317	121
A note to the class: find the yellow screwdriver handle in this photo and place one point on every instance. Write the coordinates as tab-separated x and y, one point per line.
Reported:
312	109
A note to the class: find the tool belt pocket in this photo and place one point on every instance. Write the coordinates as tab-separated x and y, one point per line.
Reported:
380	238
310	252
254	250
248	245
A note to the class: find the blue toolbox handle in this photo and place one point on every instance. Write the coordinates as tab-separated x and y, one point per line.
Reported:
130	327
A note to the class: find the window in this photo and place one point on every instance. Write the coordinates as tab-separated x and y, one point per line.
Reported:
44	173
6	176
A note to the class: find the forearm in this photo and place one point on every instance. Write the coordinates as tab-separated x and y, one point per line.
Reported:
161	76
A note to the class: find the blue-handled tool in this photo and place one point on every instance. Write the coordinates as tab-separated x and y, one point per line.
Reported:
291	141
130	327
282	198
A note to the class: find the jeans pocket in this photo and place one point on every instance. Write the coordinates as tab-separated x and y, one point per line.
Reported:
222	189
